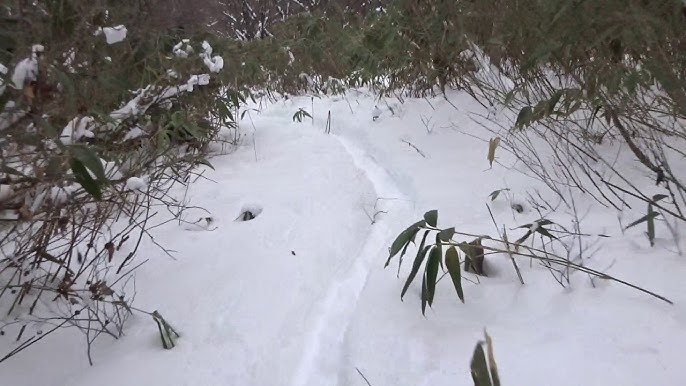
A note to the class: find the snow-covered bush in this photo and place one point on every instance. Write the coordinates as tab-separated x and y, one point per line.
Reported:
594	98
100	120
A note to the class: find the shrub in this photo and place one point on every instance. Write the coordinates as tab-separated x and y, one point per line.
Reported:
99	122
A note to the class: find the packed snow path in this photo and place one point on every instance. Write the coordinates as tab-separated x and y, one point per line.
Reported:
298	296
321	362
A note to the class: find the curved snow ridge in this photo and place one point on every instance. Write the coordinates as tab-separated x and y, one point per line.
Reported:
383	183
320	363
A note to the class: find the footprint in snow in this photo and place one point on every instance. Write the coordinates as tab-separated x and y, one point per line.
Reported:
249	212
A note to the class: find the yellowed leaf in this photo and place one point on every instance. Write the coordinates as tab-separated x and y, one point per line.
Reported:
492	145
24	213
491	359
29	92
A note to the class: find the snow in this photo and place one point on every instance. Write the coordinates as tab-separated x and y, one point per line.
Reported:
3	72
77	129
298	296
136	184
133	133
213	63
376	113
6	192
183	48
149	95
59	195
114	34
25	71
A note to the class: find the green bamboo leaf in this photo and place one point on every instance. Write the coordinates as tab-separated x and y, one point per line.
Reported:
541	222
545	232
402	254
167	332
234	99
404	250
439	245
194	130
446	234
89	159
523	238
494	194
224	112
554	99
431	218
421	245
432	273
651	226
524	117
419	259
479	367
659	197
452	262
403	238
424	294
84	179
651	215
205	162
178	118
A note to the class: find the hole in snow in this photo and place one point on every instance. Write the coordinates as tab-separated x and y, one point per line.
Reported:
249	212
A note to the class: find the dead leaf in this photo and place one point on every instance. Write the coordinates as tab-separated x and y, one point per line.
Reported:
99	289
492	145
29	92
109	247
491	359
24	213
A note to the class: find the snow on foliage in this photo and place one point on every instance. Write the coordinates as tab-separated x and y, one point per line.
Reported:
26	70
3	71
183	48
76	129
136	184
114	34
151	95
60	195
134	133
213	63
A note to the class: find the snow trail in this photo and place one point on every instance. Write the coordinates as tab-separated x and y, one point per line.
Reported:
320	363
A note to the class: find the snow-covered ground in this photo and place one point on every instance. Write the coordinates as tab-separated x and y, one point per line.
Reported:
299	296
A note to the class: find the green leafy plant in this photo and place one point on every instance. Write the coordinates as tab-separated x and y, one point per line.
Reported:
167	332
300	115
649	218
447	255
483	367
496	193
436	257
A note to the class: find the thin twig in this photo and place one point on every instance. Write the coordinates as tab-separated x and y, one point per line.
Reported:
363	377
